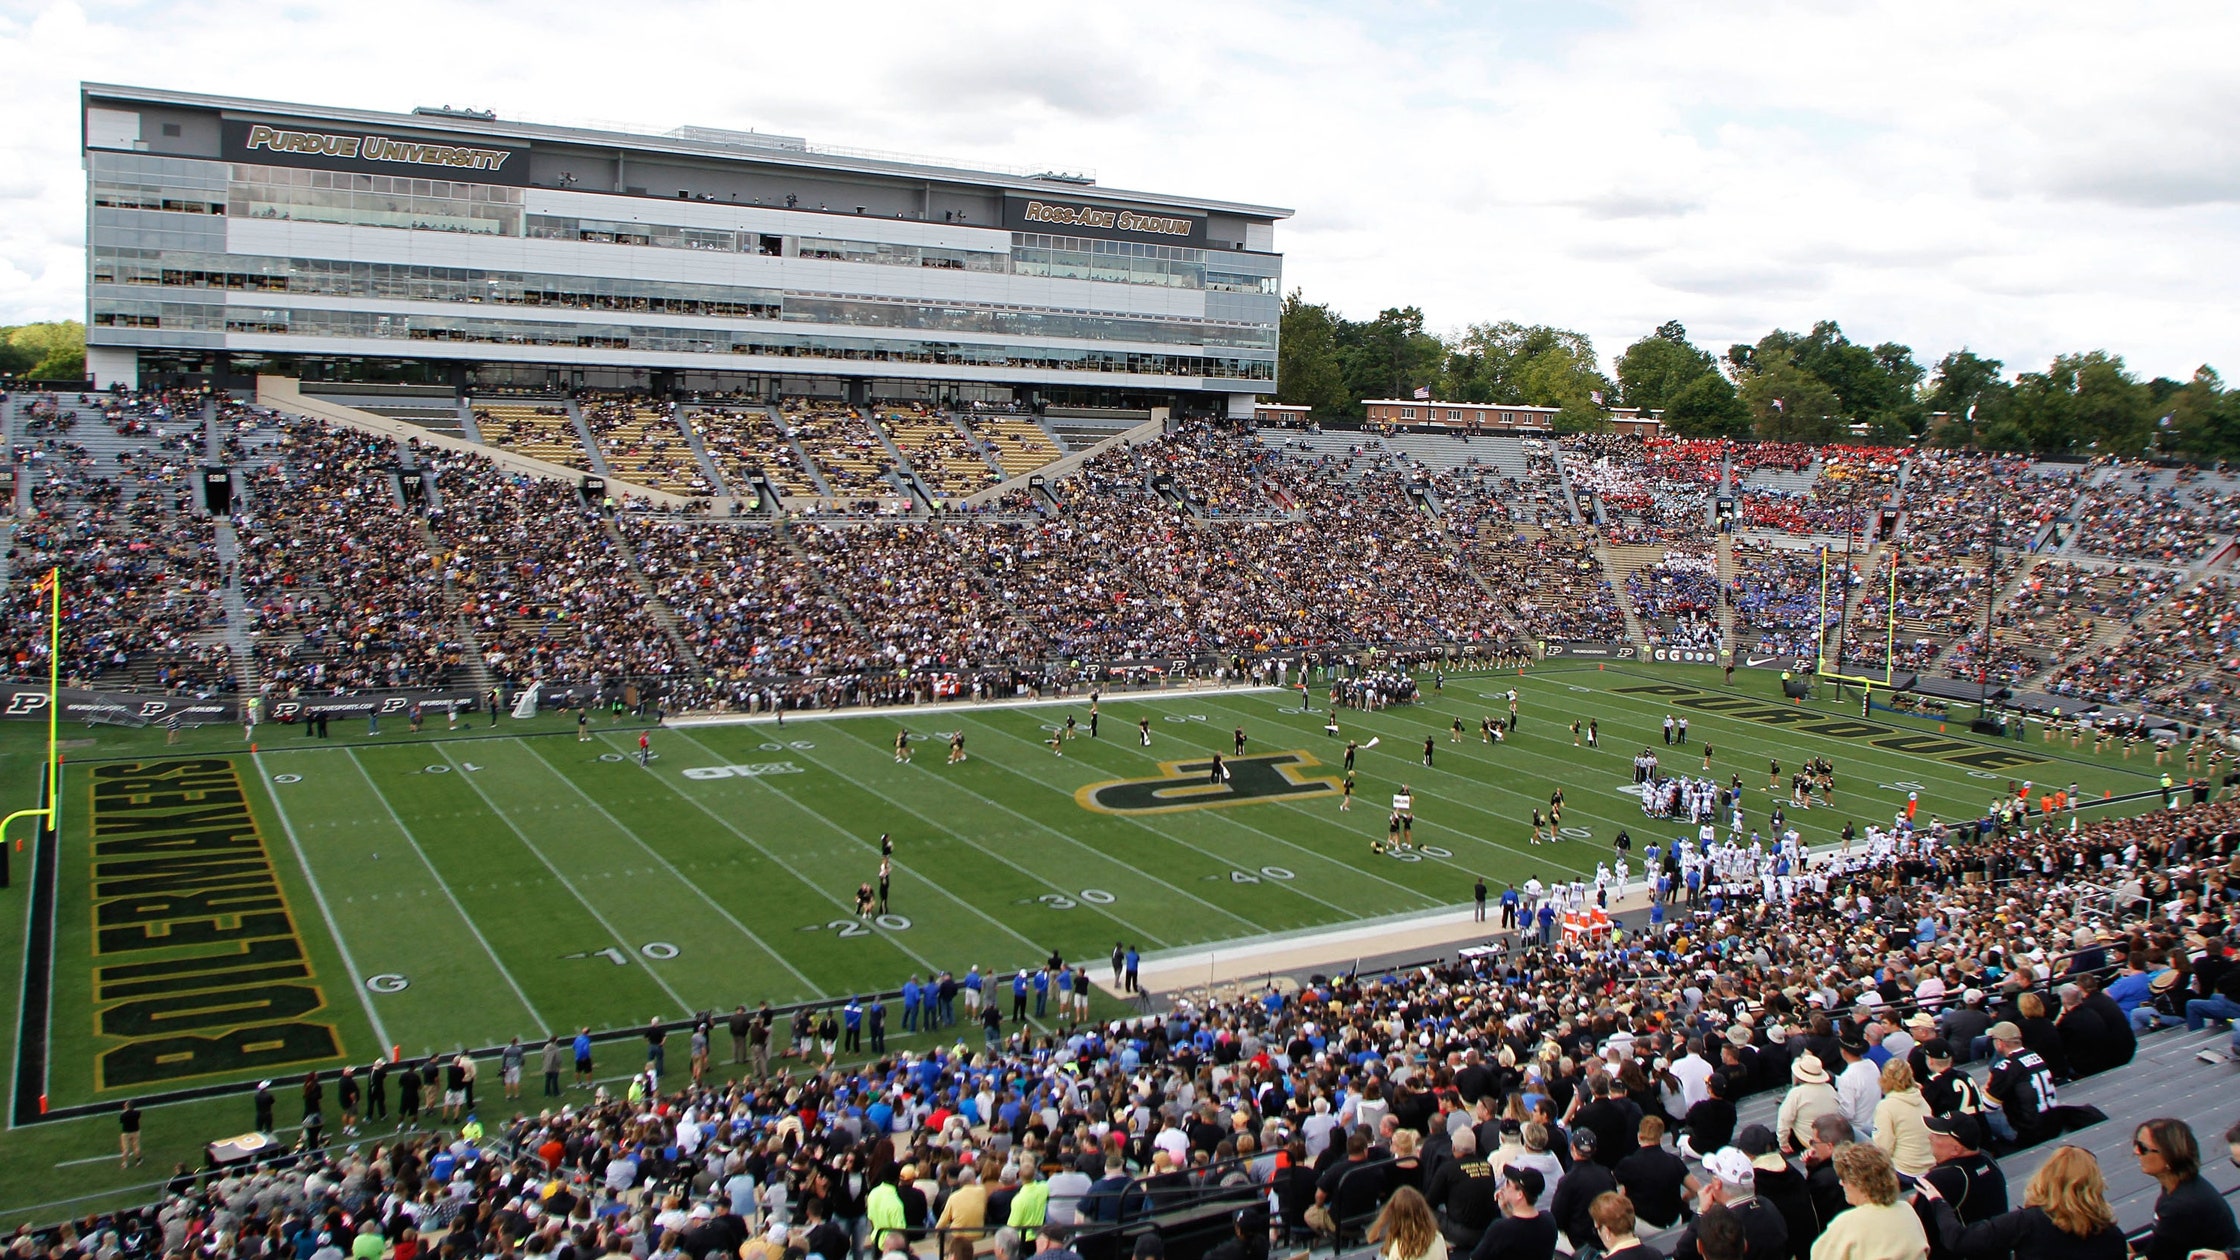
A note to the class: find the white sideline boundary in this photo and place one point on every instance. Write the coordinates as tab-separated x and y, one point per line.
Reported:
960	706
1167	973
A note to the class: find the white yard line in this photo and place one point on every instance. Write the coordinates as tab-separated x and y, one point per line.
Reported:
449	895
683	1006
697	891
992	921
303	863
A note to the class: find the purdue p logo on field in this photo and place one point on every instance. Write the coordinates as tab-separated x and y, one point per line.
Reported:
1182	785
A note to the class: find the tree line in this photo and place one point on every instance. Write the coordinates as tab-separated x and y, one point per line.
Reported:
1818	386
53	351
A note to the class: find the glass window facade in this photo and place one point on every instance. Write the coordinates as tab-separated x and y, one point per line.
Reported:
199	317
161	226
392	201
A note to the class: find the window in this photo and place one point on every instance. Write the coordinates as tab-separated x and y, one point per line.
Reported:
171	129
1407	413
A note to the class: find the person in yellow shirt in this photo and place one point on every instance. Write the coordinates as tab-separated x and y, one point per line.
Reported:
966	1212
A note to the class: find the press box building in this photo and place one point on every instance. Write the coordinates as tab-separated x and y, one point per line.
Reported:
229	237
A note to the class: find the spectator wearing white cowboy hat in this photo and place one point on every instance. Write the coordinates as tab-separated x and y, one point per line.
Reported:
1811	1095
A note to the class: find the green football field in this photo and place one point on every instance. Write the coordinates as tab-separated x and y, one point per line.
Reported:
222	916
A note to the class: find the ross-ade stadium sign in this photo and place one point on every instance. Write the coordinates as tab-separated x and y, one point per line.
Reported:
1108	220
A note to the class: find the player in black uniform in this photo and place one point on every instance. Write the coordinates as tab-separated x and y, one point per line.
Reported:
1430	745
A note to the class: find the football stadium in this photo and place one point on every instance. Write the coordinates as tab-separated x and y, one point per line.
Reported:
577	692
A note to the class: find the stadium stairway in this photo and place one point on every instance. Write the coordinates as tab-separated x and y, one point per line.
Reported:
237	608
1604	556
663	615
807	465
833	598
1571	501
1725	543
700	452
590	440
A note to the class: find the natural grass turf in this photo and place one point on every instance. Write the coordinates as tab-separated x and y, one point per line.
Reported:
501	873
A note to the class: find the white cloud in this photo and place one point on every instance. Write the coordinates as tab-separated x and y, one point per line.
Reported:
2020	178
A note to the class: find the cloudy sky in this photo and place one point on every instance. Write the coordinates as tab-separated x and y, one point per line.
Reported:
2020	178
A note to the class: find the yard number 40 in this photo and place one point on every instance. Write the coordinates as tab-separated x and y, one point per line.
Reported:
658	951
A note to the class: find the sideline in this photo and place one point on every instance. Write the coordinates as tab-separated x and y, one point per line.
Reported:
1167	974
962	706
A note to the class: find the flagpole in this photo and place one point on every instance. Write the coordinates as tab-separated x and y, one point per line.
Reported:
52	810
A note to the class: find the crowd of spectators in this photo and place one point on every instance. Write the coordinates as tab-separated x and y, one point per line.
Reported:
1916	1006
845	447
109	481
1678	598
1776	597
1659	491
641	443
549	592
1551	584
1952	501
340	584
1282	543
2182	655
2146	515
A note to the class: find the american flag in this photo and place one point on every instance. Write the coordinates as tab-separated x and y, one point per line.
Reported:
1422	392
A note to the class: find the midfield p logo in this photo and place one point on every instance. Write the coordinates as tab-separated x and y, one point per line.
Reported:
1184	785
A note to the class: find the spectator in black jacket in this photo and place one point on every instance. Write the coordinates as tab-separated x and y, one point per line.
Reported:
1578	1190
2065	1217
1612	1117
1820	1177
1710	1122
2189	1215
2123	1040
1781	1184
1966	1179
1523	1232
1654	1178
1465	1192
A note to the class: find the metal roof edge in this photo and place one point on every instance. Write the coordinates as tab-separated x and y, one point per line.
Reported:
589	137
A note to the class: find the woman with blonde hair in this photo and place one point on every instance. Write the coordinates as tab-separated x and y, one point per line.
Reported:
2064	1216
1406	1230
1875	1226
1898	1121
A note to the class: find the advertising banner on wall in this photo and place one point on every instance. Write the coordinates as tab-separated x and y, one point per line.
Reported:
1687	655
328	147
121	708
1554	648
1789	663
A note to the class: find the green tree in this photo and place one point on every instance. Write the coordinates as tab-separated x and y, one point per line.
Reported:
1964	382
1877	386
1788	404
1532	364
1308	370
1389	356
1653	370
2080	403
2204	423
1707	407
54	351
